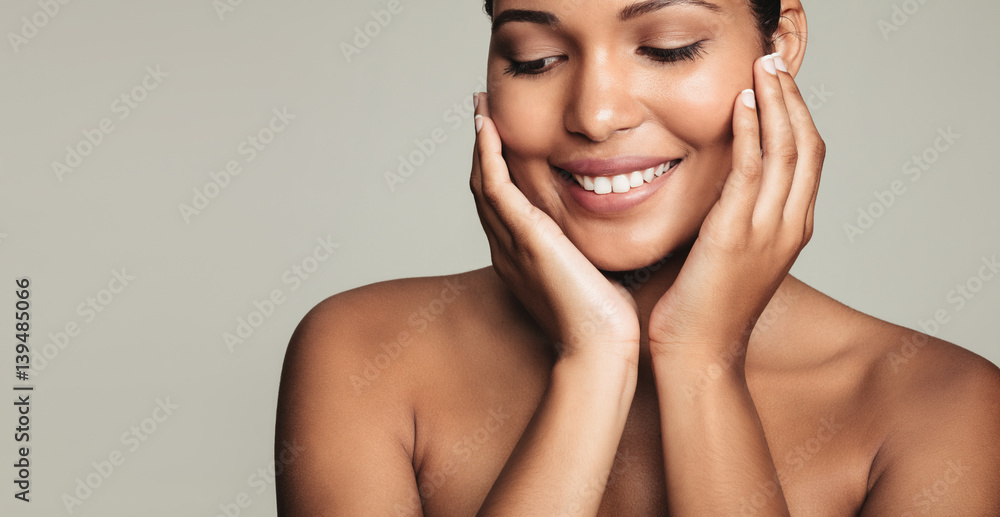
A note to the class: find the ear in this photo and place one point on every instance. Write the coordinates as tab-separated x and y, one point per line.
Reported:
790	37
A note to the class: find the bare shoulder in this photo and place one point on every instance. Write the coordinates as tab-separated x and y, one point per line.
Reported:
936	407
347	392
941	407
920	374
901	362
363	334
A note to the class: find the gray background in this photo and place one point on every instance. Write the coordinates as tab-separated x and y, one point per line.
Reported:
323	176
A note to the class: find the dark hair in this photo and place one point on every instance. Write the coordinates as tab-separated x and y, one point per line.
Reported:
766	12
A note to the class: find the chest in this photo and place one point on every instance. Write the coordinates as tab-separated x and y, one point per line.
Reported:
821	453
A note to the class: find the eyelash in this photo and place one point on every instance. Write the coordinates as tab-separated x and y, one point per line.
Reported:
662	55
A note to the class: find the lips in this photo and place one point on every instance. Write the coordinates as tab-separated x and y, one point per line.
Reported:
615	185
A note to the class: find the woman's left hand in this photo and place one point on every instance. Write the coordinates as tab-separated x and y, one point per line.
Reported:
755	231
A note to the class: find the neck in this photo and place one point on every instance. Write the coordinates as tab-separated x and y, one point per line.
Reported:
647	284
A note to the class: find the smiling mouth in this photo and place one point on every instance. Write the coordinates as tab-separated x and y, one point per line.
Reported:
620	183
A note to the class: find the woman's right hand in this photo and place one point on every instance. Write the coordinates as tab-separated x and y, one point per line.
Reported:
585	313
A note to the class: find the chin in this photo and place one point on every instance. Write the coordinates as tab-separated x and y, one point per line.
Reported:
624	251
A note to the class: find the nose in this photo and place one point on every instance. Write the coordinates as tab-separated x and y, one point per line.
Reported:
601	101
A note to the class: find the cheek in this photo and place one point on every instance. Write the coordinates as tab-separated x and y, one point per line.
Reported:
525	120
702	109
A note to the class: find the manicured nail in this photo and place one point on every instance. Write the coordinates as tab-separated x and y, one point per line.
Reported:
475	100
479	122
768	62
779	63
748	98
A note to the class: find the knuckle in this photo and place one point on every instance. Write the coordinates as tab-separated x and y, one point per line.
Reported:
793	89
502	264
532	217
535	224
492	195
751	171
787	154
746	126
819	149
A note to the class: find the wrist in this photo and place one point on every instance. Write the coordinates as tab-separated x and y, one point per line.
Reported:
703	351
600	355
695	363
600	378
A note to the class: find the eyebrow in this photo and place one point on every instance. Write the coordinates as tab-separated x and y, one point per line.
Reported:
626	14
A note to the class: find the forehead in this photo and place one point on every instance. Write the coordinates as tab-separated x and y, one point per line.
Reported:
554	12
612	5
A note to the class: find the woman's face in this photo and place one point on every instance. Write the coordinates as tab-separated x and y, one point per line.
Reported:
582	86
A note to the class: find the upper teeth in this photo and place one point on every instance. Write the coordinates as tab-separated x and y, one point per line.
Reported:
623	182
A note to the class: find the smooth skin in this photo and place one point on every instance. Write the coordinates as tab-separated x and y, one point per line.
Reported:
708	383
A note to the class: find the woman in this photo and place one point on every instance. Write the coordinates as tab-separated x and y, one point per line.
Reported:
646	180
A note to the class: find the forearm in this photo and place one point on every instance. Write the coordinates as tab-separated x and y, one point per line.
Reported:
562	462
716	458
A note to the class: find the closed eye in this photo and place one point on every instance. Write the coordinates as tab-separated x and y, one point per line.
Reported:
535	67
662	55
671	55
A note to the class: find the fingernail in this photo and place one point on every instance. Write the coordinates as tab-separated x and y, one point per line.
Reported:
779	63
479	122
748	98
768	62
475	100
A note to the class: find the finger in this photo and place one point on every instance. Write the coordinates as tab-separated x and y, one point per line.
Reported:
497	234
739	194
812	152
624	292
810	211
810	216
514	210
780	151
476	178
